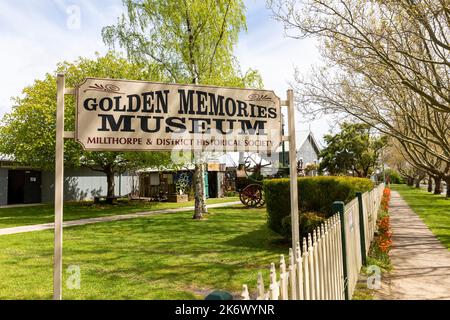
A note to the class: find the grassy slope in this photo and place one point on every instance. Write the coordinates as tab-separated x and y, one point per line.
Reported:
160	257
433	209
13	217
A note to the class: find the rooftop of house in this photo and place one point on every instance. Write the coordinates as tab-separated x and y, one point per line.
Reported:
301	136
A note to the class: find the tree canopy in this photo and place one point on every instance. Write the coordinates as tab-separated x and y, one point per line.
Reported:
354	151
387	64
28	131
191	41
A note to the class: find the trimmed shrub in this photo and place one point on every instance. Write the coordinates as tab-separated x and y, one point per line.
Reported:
316	194
308	221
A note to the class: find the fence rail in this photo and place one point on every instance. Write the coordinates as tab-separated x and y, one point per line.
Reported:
326	265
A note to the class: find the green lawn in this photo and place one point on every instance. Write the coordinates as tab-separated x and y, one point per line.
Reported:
167	256
13	217
433	209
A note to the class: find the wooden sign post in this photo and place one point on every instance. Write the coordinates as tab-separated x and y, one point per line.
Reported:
293	170
59	189
124	115
59	183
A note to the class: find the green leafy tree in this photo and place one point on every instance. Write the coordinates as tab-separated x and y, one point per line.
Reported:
191	41
28	131
353	150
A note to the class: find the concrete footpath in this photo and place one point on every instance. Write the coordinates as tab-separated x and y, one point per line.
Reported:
421	263
82	222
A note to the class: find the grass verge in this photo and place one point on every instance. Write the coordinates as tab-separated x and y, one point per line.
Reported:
168	256
433	209
21	216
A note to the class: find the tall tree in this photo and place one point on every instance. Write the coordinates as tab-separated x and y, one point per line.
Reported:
354	150
387	64
192	41
28	131
408	41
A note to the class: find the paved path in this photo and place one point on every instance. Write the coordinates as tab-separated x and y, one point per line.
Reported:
21	205
82	222
421	263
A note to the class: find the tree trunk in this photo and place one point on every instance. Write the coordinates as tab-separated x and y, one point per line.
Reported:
447	182
199	187
203	202
110	181
409	181
430	184
418	179
437	185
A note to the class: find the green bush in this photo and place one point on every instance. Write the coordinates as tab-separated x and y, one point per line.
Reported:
316	194
308	221
394	176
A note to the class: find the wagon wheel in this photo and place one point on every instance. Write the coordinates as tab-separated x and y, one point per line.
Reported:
252	196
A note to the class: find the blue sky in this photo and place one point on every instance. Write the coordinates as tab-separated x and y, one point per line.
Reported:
36	34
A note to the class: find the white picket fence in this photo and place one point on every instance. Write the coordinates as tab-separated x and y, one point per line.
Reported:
315	269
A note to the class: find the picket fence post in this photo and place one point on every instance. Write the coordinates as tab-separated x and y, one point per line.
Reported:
312	275
299	269
292	275
261	294
283	279
339	207
306	279
245	295
362	235
274	286
325	269
316	245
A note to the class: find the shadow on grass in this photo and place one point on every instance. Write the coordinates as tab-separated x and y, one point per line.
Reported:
262	238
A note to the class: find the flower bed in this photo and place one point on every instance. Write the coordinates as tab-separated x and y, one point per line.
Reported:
382	244
379	250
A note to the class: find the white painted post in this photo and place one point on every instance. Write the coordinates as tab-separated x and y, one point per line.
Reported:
333	257
328	236
299	267
332	260
342	280
306	280
245	294
337	256
292	275
293	169
323	264
312	274
316	265
261	295
274	285
59	188
283	279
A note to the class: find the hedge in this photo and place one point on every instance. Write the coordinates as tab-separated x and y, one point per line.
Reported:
315	194
308	221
